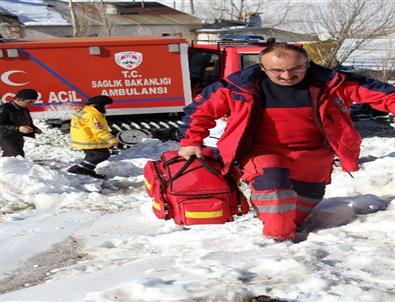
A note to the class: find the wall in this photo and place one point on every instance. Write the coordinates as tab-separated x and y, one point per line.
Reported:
45	32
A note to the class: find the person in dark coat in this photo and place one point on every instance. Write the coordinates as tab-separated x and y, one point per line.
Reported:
16	122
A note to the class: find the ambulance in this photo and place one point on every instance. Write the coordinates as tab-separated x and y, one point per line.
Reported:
150	79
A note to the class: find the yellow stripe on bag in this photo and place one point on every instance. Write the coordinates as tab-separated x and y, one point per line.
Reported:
198	215
155	205
147	184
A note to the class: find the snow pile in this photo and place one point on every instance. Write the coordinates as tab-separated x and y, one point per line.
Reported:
68	237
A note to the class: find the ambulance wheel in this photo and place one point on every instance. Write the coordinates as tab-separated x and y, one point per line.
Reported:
133	136
174	134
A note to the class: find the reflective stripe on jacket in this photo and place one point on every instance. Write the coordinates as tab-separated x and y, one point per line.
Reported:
239	98
89	130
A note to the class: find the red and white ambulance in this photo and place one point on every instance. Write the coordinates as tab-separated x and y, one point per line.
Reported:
147	77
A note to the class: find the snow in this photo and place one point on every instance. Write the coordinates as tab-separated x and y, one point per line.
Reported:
68	237
73	238
36	12
32	12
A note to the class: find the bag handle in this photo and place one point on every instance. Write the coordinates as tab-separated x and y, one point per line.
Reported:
187	164
208	167
183	168
172	160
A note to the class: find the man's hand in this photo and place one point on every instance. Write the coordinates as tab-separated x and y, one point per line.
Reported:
187	152
25	129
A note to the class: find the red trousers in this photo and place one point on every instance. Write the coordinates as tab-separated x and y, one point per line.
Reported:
286	185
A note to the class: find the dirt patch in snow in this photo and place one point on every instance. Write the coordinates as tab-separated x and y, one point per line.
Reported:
37	269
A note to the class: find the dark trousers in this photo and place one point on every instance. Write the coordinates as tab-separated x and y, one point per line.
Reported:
12	147
94	157
88	165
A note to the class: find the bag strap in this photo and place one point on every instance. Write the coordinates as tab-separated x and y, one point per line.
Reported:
166	208
183	168
232	183
208	167
205	164
172	160
187	164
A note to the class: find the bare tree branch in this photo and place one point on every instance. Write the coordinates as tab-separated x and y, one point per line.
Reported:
388	64
79	22
241	9
285	10
351	24
104	18
74	19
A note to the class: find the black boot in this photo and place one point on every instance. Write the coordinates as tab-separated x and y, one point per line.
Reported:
95	175
77	169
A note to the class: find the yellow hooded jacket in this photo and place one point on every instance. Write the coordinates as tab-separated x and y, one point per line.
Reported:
89	130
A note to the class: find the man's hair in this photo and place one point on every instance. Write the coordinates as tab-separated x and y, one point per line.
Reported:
26	94
281	49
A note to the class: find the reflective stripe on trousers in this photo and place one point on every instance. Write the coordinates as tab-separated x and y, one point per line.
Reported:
277	209
304	205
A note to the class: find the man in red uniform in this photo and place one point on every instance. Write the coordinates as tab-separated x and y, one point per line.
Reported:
287	119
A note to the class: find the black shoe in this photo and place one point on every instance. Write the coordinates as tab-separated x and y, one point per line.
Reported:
299	237
76	169
95	175
299	228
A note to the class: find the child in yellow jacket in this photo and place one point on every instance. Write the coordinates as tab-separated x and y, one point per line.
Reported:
90	133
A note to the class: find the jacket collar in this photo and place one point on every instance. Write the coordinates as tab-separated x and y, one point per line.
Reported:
245	80
16	106
92	108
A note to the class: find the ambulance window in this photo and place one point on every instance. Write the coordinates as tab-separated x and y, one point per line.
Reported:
204	67
248	59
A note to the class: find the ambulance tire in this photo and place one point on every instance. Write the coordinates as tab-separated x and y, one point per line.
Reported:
133	136
174	134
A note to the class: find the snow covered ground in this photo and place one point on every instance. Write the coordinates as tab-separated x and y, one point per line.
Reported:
67	237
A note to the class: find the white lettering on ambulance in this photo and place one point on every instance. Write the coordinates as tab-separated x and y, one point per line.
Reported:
133	82
133	85
63	97
106	83
148	82
135	91
130	74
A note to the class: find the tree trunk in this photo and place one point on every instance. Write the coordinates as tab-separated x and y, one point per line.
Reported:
74	21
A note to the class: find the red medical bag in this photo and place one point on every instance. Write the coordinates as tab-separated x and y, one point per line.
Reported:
192	191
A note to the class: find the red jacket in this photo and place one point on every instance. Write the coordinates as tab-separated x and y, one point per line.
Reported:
238	97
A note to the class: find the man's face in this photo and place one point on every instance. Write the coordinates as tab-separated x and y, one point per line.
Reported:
24	103
286	68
